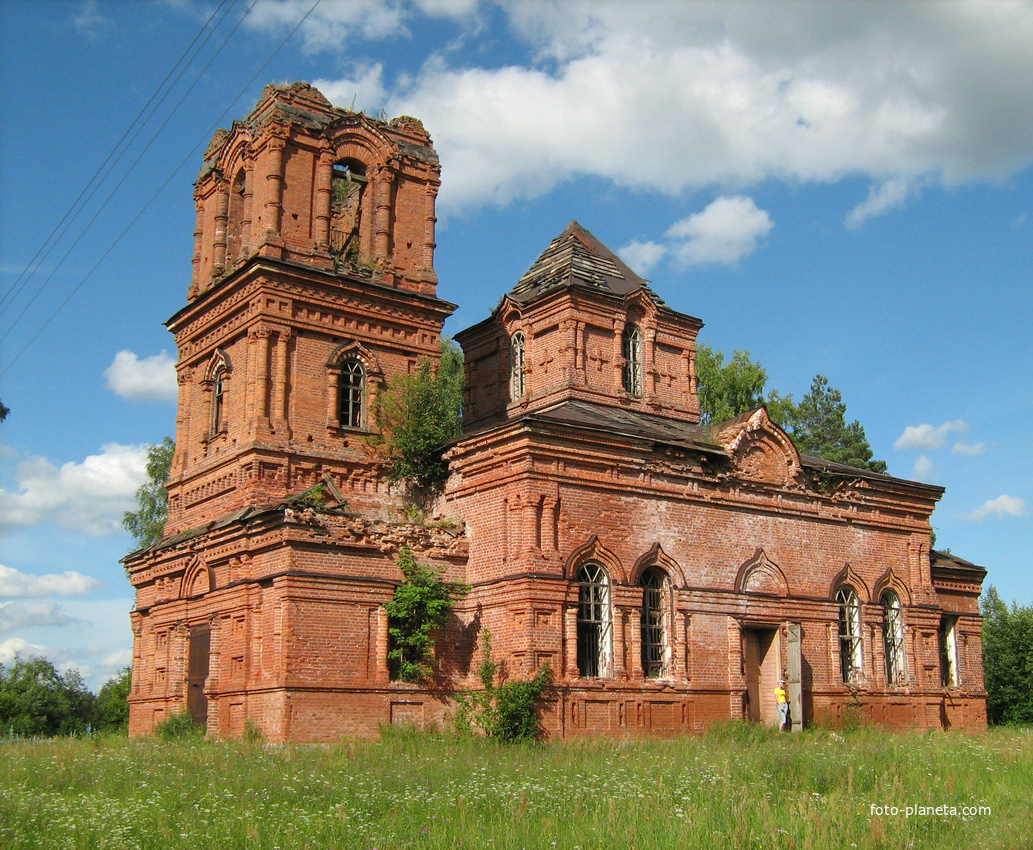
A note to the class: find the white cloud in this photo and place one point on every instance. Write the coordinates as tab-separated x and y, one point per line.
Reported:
669	96
17	648
923	468
641	257
363	90
153	378
969	450
1001	506
90	496
14	583
927	437
886	196
17	615
90	22
725	232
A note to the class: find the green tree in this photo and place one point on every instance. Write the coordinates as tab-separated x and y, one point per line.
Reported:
37	701
111	712
728	389
147	523
419	414
1007	659
819	427
421	605
4	410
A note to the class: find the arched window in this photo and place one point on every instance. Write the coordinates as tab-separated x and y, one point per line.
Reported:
351	392
631	348
656	595
949	651
235	225
851	646
594	621
516	366
893	637
347	183
218	424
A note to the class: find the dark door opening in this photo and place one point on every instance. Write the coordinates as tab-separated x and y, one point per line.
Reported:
198	649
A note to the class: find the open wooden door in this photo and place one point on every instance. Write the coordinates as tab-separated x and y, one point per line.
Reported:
794	676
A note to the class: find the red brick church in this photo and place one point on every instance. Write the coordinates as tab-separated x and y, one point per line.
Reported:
669	573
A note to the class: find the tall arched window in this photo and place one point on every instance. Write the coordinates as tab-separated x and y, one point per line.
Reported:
851	646
516	366
235	225
594	621
218	424
893	637
656	595
949	651
631	348
351	392
348	181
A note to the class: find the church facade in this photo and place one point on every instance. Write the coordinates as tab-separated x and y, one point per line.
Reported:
668	573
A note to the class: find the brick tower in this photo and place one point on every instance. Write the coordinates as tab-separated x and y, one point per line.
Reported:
313	286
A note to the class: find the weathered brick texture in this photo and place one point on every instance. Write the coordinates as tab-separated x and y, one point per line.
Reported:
264	602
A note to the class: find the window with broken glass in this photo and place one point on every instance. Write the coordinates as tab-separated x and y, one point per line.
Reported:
851	646
516	366
593	621
632	351
351	386
655	599
893	637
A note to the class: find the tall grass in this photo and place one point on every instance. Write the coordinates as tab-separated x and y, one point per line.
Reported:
736	786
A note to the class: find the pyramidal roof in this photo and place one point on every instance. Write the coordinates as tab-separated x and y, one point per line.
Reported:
577	258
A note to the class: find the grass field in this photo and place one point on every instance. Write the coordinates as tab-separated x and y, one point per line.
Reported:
737	786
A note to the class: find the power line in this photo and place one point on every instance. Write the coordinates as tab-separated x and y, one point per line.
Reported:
168	180
98	177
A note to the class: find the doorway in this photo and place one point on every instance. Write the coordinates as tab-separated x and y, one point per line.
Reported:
762	664
198	650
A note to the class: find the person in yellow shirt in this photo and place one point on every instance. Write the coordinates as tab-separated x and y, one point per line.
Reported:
783	705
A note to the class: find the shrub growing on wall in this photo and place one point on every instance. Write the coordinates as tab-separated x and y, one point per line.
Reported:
421	605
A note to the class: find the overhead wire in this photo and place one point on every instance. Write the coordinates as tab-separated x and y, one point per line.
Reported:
169	179
95	181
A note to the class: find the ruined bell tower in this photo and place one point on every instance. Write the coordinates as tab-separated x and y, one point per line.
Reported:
313	285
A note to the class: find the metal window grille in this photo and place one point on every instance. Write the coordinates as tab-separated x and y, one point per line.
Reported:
655	596
593	621
632	350
893	636
516	375
350	394
851	647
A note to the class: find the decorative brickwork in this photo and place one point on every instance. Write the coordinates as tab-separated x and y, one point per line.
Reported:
668	573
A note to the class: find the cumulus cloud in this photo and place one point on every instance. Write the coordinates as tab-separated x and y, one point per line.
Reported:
669	96
16	615
153	378
18	648
723	233
885	196
926	437
969	450
90	496
1001	506
14	583
923	468
641	257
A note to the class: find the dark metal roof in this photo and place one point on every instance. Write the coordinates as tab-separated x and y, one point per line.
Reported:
576	258
626	423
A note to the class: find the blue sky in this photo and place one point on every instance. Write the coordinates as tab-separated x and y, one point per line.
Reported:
843	189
